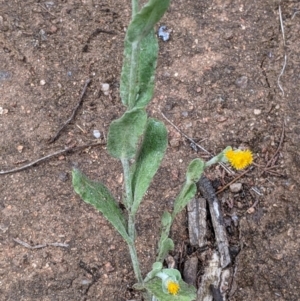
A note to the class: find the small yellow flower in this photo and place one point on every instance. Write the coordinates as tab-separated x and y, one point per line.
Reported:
239	159
173	287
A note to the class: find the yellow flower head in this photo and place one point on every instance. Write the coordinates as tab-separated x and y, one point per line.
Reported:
239	159
172	287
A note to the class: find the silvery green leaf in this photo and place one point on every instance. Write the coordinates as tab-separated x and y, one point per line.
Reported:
186	194
195	170
165	244
156	267
148	160
144	21
99	196
125	132
137	76
189	189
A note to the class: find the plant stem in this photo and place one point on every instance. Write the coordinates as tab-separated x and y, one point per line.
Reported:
128	198
135	263
131	219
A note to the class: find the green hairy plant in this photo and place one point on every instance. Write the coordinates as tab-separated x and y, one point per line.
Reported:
135	137
140	143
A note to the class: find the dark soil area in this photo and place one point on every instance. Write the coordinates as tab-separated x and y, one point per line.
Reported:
218	81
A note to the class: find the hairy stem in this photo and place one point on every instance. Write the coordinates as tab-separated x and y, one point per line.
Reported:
128	197
131	220
135	262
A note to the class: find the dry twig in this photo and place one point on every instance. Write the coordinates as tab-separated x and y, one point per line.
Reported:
60	152
73	113
285	55
234	180
54	244
192	141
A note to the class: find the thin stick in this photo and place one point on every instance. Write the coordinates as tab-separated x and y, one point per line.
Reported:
295	13
73	113
192	141
285	56
54	244
234	180
46	9
69	149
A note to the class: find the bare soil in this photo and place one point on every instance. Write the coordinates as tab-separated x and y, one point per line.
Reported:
217	81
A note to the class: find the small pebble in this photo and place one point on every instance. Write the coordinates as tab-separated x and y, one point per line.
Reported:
236	187
3	111
42	82
105	88
20	148
96	134
242	81
257	111
63	176
109	267
163	33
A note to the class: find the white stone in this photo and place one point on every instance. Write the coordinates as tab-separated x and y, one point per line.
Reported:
96	134
236	187
257	111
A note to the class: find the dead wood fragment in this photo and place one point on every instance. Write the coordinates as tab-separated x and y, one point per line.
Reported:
209	194
197	221
190	270
210	278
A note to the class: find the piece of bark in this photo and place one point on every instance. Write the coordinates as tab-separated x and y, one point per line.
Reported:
197	221
210	278
209	194
190	270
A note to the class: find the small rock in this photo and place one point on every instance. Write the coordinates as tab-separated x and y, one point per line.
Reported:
20	148
109	267
251	210
96	134
257	111
105	88
42	82
63	176
163	33
242	82
236	187
3	111
174	142
53	29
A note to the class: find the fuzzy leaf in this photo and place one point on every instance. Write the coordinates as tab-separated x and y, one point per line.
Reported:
124	134
148	160
146	71
165	244
186	194
137	76
144	21
99	196
189	189
195	170
156	267
186	292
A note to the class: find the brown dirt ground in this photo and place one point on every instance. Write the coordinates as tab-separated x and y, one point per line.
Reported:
216	80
